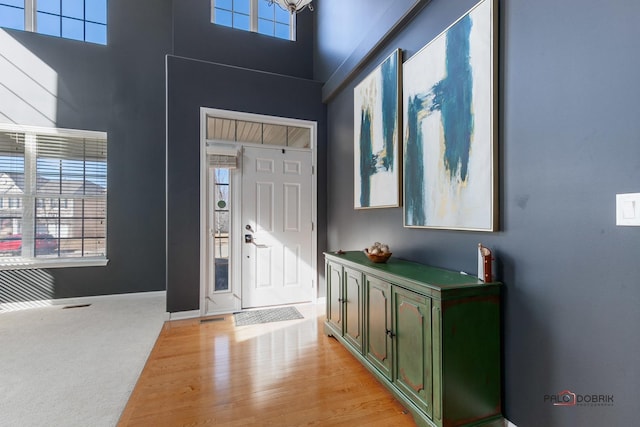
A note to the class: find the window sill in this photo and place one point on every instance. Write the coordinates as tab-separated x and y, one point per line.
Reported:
18	263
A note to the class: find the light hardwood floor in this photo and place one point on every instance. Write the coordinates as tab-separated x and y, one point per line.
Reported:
276	374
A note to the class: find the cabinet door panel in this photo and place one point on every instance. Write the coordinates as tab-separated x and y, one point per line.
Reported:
413	368
379	342
334	296
353	307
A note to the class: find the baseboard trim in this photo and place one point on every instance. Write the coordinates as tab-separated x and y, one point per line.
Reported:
182	315
15	306
508	423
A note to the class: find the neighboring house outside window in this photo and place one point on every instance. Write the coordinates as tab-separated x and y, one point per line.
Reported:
84	20
56	183
257	16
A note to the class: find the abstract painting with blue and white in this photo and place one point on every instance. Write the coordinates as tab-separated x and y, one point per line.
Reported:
376	137
448	131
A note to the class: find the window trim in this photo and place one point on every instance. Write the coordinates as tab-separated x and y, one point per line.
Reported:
19	263
253	20
30	15
22	262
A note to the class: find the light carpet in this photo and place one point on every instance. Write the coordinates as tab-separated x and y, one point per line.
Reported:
77	366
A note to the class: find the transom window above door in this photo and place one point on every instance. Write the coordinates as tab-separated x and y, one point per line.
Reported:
257	16
231	130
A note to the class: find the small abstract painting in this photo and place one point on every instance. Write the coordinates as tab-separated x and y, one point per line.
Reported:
377	136
449	131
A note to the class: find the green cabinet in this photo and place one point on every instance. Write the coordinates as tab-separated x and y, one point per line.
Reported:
432	336
345	303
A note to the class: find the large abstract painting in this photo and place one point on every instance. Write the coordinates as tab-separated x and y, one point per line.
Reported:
376	136
449	131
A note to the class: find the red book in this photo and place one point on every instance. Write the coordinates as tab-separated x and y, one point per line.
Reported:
484	263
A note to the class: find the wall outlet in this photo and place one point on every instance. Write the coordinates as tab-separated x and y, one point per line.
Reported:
628	209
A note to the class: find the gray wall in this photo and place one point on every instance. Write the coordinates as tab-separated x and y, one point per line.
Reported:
195	37
569	143
119	89
268	83
341	35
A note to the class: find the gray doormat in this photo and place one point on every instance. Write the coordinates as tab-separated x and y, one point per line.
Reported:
254	317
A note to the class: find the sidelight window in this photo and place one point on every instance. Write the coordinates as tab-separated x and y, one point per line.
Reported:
221	231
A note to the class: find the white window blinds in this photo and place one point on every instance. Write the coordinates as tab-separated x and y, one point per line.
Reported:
59	178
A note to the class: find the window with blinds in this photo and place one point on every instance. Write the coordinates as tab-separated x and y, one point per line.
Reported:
53	194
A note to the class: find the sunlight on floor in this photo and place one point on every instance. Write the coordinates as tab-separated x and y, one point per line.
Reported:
308	325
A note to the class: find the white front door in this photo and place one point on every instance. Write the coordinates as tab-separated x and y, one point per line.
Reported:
276	226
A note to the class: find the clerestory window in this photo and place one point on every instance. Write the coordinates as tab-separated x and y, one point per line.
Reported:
84	20
258	16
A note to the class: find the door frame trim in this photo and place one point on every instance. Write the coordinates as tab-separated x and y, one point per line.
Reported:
235	272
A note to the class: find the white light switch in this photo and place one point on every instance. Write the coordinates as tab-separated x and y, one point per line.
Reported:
628	209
